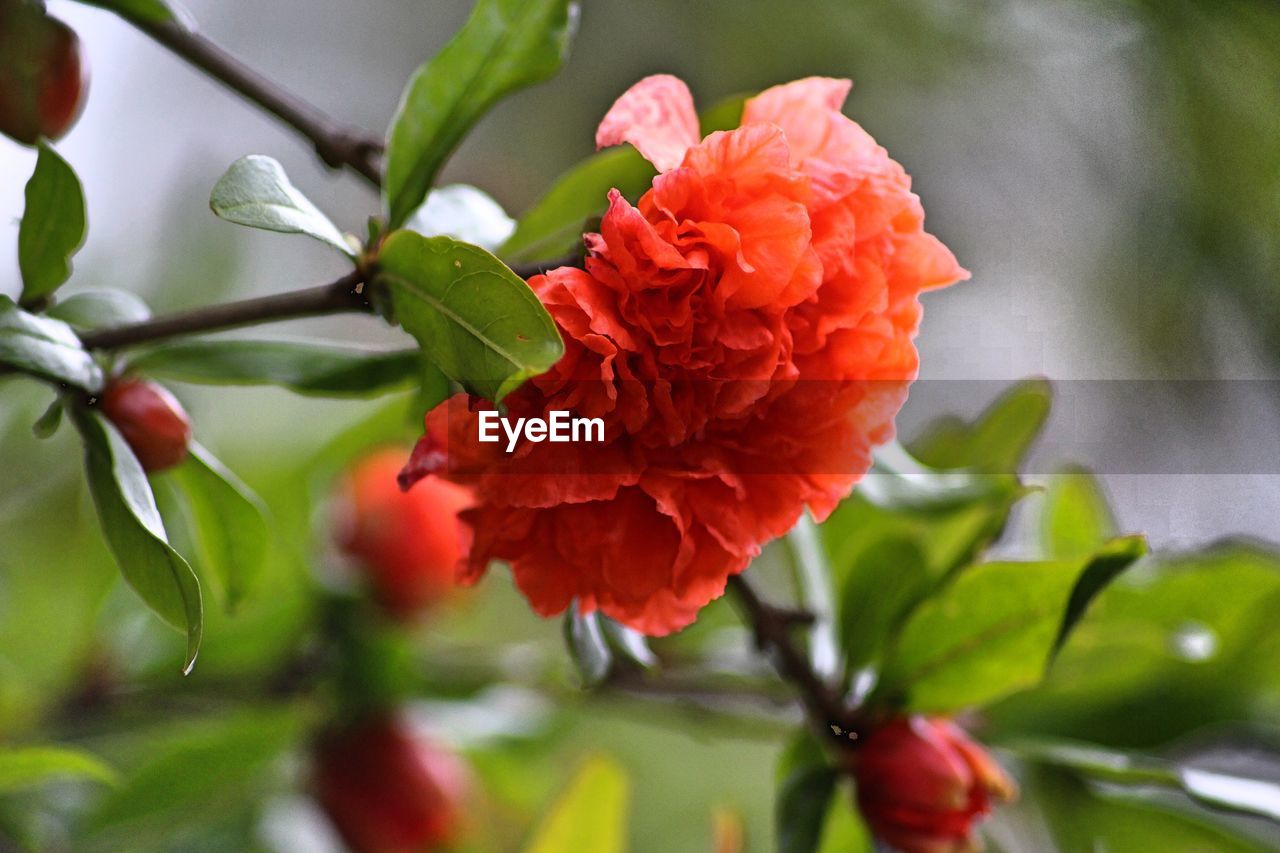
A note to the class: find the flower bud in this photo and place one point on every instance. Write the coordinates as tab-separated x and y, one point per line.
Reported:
151	420
405	543
923	783
386	789
42	75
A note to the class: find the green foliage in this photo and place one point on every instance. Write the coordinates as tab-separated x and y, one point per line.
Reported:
997	441
53	226
148	11
307	368
1076	517
504	46
803	801
91	309
473	317
30	766
228	523
135	533
464	213
256	192
45	347
591	814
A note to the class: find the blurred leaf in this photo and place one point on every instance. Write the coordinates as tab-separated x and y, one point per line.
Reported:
30	766
45	347
148	11
473	317
227	520
887	580
1076	518
53	226
587	645
897	481
591	814
49	422
997	441
806	784
630	642
256	192
91	309
844	830
725	114
136	536
1106	564
464	213
505	45
554	225
307	368
1216	790
185	774
993	631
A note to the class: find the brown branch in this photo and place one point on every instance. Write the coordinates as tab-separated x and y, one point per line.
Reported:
772	627
338	145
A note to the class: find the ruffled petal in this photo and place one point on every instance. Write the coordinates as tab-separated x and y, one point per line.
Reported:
655	115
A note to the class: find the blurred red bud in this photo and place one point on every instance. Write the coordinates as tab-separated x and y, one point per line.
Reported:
43	78
923	784
407	544
151	420
387	789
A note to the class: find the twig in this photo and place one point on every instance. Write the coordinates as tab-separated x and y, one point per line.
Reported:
338	145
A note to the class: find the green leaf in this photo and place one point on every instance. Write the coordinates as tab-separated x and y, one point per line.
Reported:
47	424
887	579
135	534
897	481
591	814
148	11
587	645
53	226
31	766
45	347
630	642
256	192
228	522
307	368
505	45
1076	518
472	316
91	309
807	783
994	630
554	225
464	213
998	440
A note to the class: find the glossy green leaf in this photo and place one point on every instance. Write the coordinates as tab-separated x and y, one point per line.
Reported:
473	317
227	520
135	533
92	309
307	368
887	579
31	766
1076	517
993	631
997	441
553	226
591	814
587	645
463	213
256	192
45	347
53	226
505	45
148	11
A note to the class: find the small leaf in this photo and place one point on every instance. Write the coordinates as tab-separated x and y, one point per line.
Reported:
464	213
1076	518
256	192
802	808
228	522
591	814
554	225
47	424
91	309
53	226
505	45
629	642
587	646
887	580
898	481
472	316
45	347
307	368
148	11
31	766
998	440
135	533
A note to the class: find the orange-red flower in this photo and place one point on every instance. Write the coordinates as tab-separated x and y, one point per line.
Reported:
744	331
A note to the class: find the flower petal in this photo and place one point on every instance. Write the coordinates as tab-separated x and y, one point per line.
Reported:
655	115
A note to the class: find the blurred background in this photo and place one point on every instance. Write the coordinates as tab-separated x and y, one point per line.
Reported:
1109	170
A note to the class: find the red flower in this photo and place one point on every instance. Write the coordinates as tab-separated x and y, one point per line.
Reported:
150	419
744	331
406	543
387	790
923	783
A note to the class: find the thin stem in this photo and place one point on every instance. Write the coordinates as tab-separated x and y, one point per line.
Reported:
338	297
338	145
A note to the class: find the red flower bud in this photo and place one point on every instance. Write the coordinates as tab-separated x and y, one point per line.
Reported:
406	543
923	783
42	75
386	789
151	420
